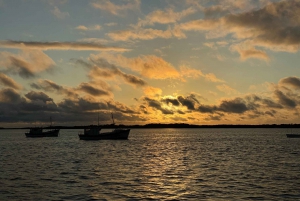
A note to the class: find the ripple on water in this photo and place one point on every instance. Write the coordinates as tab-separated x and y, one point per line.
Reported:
154	164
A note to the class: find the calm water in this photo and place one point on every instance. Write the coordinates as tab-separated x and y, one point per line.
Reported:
154	164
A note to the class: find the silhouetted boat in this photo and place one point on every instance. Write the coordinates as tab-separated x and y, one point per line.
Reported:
293	135
93	133
38	132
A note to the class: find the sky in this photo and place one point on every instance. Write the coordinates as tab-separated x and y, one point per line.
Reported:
201	62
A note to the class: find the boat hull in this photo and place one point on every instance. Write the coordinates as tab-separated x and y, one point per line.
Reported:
114	135
293	135
51	133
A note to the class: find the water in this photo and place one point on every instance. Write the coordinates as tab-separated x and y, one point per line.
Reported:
154	164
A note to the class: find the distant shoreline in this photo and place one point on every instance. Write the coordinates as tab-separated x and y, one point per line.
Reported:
147	126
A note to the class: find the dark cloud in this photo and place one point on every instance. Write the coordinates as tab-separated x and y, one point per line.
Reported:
214	117
207	109
47	85
87	88
8	82
271	104
157	105
276	24
9	95
174	102
291	81
21	67
50	86
284	100
33	95
132	79
271	113
119	107
185	101
104	69
236	105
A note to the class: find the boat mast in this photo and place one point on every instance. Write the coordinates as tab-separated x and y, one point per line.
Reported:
112	116
98	117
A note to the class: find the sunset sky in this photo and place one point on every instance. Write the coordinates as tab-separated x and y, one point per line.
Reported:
149	61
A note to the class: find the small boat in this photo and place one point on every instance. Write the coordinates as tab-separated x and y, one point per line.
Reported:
293	135
93	133
38	132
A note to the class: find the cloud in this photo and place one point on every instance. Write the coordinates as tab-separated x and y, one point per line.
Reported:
215	11
50	86
200	25
9	95
59	14
94	40
33	95
148	66
27	64
9	82
157	105
152	91
107	5
271	25
285	100
274	26
89	28
151	66
236	105
92	90
165	16
294	82
146	34
59	46
173	101
253	53
101	68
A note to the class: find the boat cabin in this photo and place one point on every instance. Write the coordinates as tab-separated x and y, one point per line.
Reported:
92	130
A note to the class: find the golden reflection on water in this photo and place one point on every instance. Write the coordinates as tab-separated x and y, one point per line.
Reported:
166	169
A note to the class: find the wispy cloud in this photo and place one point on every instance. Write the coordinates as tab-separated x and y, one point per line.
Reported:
27	63
154	67
59	14
165	16
108	6
59	46
9	82
270	27
100	68
88	28
146	34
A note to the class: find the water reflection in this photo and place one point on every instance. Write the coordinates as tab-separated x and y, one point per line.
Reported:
162	164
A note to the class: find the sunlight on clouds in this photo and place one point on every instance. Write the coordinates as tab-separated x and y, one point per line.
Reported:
89	28
179	61
115	9
152	91
9	82
148	66
27	63
165	16
59	46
